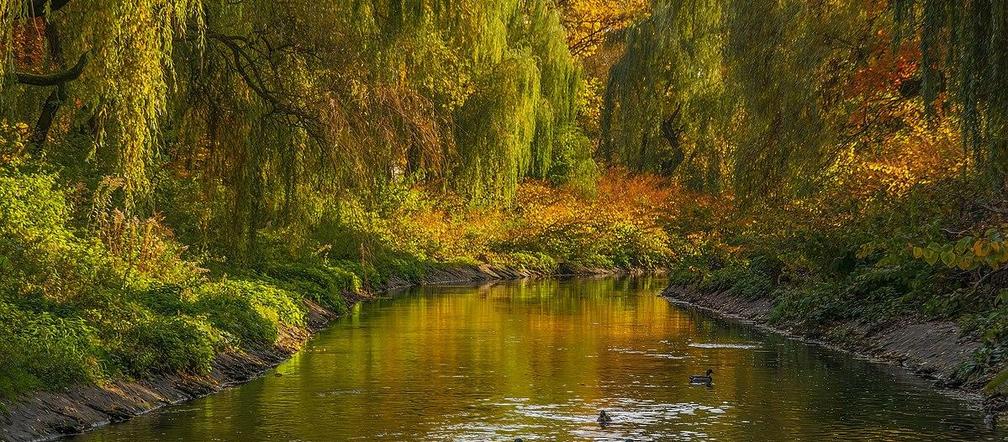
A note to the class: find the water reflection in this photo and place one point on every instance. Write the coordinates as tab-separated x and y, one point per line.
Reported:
538	360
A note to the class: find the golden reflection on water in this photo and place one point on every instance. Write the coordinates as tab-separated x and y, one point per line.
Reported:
538	360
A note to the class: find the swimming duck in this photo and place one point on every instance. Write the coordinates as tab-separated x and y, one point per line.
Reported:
702	379
603	418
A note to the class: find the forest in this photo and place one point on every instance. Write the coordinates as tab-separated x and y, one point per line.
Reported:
181	178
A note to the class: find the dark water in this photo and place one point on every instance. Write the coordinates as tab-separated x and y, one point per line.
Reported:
538	360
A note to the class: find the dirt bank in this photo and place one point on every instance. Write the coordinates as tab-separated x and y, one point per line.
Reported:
50	415
931	349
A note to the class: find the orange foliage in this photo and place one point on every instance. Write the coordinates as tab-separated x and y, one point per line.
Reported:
543	214
590	22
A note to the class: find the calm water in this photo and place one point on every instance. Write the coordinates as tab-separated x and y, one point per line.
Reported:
537	360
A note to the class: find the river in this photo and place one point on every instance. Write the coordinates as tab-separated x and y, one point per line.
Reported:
538	360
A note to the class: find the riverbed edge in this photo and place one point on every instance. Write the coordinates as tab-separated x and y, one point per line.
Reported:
49	415
932	350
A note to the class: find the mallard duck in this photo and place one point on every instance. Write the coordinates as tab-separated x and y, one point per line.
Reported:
702	379
603	418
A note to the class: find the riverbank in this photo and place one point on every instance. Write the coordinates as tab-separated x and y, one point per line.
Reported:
80	408
933	349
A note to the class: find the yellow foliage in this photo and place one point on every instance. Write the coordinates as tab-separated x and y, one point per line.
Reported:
446	228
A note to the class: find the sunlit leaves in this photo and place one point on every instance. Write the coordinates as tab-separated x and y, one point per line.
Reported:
968	253
964	64
590	23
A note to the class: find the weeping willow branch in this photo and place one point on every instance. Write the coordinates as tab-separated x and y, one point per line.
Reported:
247	68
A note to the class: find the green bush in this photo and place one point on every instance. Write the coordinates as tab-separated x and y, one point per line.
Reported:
251	313
39	350
633	247
167	344
325	284
39	254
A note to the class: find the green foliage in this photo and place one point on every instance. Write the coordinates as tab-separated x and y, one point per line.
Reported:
39	253
40	350
968	252
573	161
751	279
140	342
128	53
962	52
496	150
327	285
735	94
253	314
596	245
354	237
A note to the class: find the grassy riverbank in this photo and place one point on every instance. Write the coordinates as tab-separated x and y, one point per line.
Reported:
859	262
89	297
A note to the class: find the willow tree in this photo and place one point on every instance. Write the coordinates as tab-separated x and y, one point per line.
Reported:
737	92
536	25
272	108
666	87
499	121
963	53
483	42
286	105
109	62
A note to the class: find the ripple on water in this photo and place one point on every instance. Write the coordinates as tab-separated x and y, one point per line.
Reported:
651	353
636	419
712	345
338	393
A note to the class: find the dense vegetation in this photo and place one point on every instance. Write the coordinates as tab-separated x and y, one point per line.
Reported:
857	147
181	177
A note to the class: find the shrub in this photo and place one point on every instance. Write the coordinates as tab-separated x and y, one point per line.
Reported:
40	254
253	314
166	344
39	350
327	285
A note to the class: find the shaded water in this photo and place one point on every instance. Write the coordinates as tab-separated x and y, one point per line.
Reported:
538	360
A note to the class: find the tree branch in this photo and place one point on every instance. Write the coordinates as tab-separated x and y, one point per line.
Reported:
56	79
37	8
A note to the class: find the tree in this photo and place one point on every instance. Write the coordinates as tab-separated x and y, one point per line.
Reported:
744	93
964	65
122	73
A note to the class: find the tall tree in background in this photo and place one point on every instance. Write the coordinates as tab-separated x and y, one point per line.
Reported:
748	94
760	95
964	67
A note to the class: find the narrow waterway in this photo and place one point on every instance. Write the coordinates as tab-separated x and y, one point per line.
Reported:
538	360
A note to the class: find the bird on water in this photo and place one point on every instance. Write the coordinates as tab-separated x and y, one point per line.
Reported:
702	379
603	418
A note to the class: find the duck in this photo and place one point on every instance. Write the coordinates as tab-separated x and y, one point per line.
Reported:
603	418
702	379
